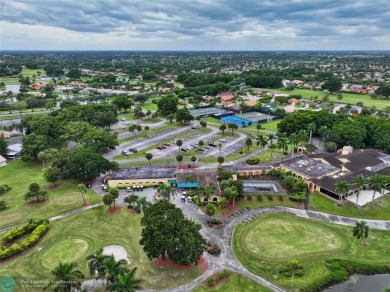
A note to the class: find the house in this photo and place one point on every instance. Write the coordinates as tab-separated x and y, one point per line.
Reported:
293	101
250	103
289	109
14	150
226	96
5	134
3	161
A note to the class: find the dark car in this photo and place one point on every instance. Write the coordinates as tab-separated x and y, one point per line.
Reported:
212	145
183	149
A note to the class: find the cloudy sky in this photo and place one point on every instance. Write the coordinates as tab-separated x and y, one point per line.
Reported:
195	25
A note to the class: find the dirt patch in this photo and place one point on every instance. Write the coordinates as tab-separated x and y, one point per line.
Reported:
112	210
132	211
51	187
168	263
35	201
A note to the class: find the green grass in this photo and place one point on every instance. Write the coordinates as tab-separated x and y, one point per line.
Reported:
10	80
266	244
236	283
149	106
128	117
271	126
30	72
19	175
379	209
178	85
75	237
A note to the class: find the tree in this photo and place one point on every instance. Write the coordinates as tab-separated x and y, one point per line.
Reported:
3	146
184	116
330	147
50	104
193	159
271	138
149	157
170	118
20	106
3	205
203	124
168	104
258	127
324	133
143	203
166	191
4	189
311	128
126	282
222	128
377	182
232	127
294	141
179	143
283	145
210	209
293	265
220	160
178	238
222	202
114	192
66	277
34	191
231	193
341	187
47	154
179	158
33	144
384	90
108	200
95	262
110	268
154	116
302	136
248	143
332	84
361	231
82	189
361	181
201	143
52	175
122	102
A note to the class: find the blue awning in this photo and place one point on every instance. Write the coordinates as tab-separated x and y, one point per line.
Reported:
171	181
187	185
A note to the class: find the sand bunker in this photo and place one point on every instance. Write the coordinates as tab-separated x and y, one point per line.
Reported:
118	251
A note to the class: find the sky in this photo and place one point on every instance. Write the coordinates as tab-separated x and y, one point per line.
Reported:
195	25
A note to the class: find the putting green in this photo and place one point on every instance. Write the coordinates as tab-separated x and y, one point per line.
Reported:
68	250
278	237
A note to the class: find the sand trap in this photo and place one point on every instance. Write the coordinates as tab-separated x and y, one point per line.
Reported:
118	251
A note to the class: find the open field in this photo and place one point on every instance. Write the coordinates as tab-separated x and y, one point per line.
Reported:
19	175
237	283
379	209
75	237
149	106
266	244
30	72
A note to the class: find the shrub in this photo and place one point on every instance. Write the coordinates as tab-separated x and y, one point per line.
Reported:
253	160
211	282
259	197
215	250
224	274
137	208
214	221
249	197
280	197
270	197
300	197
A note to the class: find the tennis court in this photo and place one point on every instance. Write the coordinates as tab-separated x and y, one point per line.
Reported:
235	120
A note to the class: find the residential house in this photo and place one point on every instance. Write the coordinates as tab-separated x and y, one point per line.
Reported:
3	161
14	150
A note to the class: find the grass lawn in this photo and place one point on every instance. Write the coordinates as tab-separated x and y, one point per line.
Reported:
30	72
149	106
75	237
10	80
266	244
236	283
271	126
128	117
178	85
19	175
379	209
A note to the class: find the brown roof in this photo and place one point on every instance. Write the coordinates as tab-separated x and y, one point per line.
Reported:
361	159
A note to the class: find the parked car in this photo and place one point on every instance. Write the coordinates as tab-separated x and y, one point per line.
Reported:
212	145
183	198
183	149
125	153
189	199
159	148
167	144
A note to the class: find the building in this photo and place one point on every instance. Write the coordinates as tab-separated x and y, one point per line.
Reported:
3	161
14	150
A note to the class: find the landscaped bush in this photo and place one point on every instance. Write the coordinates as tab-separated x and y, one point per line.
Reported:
280	197
34	237
215	250
224	274
249	197
270	197
300	197
259	197
211	282
214	222
253	160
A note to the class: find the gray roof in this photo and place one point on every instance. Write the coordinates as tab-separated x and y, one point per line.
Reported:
143	173
309	167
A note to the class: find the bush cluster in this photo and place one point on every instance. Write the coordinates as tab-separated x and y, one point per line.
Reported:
222	275
253	160
215	250
249	197
214	221
259	197
40	229
300	197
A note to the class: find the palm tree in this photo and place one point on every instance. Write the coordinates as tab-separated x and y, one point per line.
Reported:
258	127
377	182
66	277
166	191
324	133
271	138
341	187
283	145
361	231
114	192
311	128
248	143
108	199
222	128
111	268
294	141
193	159
261	141
82	189
222	202
95	262
361	181
149	157
42	156
220	160
126	282
143	203
179	158
302	136
293	265
179	143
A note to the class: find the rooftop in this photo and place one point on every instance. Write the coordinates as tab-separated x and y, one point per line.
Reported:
309	167
206	111
143	173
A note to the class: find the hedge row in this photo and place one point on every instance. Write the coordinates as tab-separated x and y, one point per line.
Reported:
340	270
15	233
214	280
34	237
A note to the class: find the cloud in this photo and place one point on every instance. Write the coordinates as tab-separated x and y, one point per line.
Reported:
207	24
